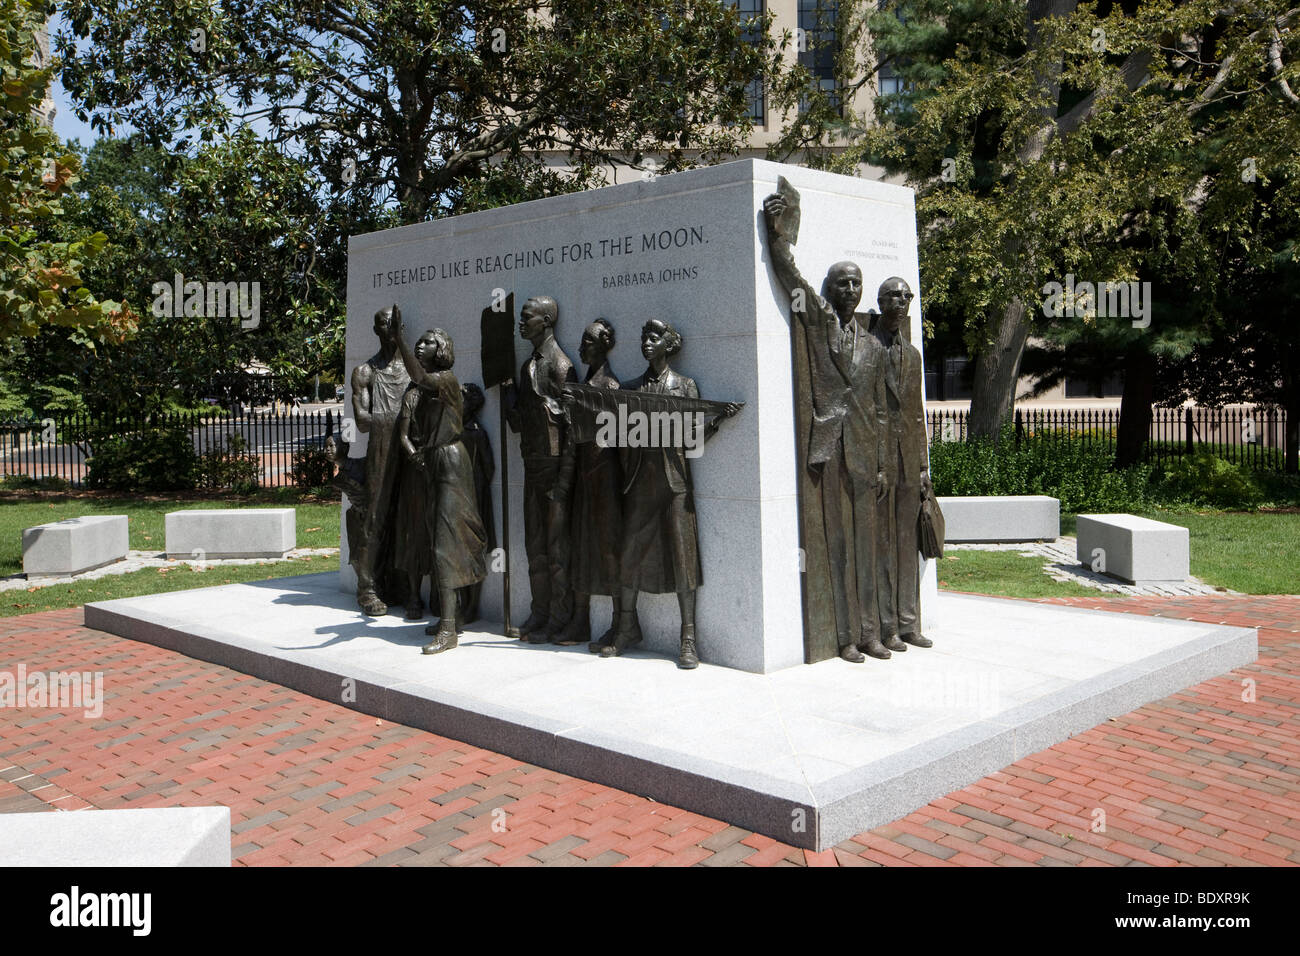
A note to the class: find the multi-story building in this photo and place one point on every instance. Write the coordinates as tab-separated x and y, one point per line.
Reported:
45	112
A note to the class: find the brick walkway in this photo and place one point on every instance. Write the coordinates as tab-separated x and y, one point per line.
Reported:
1202	777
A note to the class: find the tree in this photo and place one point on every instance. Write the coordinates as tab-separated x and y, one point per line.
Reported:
431	105
40	277
1106	141
1253	354
235	212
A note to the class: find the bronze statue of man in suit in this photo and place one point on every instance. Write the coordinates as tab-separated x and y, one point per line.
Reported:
536	413
907	471
846	442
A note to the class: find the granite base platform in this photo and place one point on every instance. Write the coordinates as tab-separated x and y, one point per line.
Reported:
809	755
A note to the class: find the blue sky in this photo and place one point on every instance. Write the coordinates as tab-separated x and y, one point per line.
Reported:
66	124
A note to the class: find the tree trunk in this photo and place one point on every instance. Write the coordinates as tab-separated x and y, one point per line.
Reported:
997	369
1135	406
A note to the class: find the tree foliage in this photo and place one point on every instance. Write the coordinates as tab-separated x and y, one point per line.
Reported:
431	105
1113	141
237	211
41	280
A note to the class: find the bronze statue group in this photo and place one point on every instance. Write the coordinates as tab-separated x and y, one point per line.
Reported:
866	445
599	518
618	518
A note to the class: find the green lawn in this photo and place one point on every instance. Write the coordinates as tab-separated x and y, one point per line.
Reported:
1252	552
317	526
317	522
1003	573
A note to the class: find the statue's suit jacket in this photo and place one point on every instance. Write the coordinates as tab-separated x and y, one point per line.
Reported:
847	370
905	432
676	467
538	416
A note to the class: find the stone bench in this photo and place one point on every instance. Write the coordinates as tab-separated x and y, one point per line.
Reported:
1001	518
231	533
160	836
1133	549
74	545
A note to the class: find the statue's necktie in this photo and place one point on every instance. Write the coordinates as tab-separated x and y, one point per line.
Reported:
895	364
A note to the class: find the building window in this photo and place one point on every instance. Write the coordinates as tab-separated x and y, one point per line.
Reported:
751	11
891	84
818	46
1108	386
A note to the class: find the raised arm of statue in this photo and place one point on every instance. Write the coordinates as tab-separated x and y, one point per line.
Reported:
413	367
432	380
804	300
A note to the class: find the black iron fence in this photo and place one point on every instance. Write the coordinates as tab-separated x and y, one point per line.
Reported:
1253	437
58	449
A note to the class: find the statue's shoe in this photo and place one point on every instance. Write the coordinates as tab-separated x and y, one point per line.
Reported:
893	643
534	622
370	604
918	640
444	641
577	631
606	640
851	654
622	642
415	612
554	628
689	659
873	648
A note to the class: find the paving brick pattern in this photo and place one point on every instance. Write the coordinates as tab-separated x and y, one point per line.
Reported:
1209	776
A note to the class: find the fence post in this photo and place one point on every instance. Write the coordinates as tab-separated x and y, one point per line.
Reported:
1191	432
1020	427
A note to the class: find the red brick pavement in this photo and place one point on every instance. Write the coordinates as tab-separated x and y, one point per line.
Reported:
1202	777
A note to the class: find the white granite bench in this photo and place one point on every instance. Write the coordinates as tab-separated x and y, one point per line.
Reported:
74	545
160	836
1133	549
1001	518
231	533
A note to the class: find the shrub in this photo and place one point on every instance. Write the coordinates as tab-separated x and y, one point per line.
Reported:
1078	471
230	465
1205	479
312	468
155	459
1279	491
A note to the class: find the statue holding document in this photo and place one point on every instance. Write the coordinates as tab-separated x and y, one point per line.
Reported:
658	423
